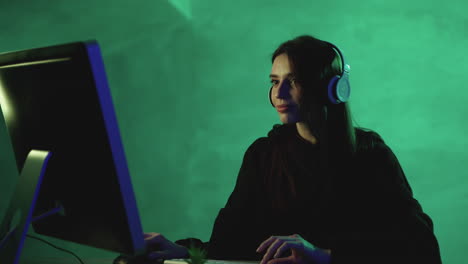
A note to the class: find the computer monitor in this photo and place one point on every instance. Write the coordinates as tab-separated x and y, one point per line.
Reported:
57	99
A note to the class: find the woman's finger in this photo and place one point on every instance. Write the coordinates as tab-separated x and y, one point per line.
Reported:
288	260
155	241
153	236
265	244
294	245
271	250
281	249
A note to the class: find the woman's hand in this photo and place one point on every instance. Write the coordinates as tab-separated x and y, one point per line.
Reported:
161	248
302	251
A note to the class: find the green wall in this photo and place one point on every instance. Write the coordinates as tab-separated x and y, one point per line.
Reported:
179	71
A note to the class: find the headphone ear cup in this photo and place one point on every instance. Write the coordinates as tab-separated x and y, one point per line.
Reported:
332	85
343	89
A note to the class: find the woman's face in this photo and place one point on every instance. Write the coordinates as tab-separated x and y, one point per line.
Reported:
285	91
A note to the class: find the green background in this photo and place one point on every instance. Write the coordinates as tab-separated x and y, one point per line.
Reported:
189	79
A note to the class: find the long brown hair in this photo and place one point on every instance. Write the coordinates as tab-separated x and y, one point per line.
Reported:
314	62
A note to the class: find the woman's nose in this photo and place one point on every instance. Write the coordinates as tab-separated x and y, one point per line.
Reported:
284	89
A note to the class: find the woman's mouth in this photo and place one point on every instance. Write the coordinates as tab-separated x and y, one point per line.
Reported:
282	109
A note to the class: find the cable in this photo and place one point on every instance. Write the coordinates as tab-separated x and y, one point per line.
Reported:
50	244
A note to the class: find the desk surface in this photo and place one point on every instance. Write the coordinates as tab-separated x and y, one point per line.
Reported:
41	260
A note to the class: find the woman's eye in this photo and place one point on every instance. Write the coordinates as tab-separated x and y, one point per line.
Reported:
274	82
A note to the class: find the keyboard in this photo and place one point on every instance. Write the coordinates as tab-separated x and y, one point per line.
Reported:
212	261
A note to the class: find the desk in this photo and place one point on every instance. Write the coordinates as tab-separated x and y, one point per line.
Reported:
71	260
28	260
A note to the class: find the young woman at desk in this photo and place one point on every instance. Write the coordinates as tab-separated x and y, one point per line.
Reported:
317	189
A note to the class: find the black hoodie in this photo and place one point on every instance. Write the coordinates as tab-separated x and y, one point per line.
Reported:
370	215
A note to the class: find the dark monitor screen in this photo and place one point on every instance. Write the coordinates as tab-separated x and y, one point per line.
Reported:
57	99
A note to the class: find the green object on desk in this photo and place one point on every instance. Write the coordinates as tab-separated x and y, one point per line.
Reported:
197	255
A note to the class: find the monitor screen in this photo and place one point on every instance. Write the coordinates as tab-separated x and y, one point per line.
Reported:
57	99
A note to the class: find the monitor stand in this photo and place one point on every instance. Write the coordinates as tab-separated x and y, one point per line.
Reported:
19	214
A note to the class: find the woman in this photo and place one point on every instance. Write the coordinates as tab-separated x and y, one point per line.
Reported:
317	189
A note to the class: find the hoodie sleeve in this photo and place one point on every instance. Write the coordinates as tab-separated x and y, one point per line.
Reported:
386	223
232	235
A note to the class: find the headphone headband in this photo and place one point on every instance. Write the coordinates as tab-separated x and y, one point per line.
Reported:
345	68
